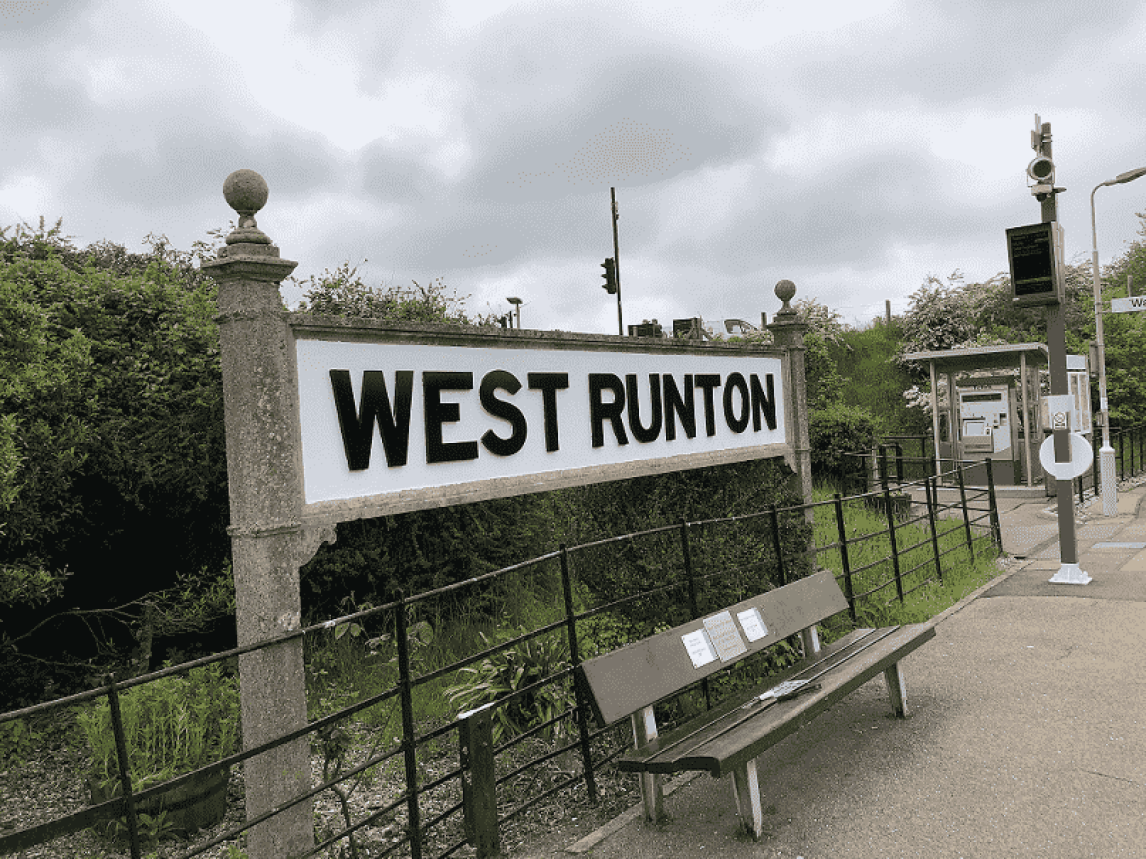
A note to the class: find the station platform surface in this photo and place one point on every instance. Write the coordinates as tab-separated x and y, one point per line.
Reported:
1027	733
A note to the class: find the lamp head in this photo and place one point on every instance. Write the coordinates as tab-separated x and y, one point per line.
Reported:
1129	176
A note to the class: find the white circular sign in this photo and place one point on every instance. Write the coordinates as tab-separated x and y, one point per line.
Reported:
1081	457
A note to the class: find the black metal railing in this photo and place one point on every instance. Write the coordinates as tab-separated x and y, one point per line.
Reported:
599	594
891	458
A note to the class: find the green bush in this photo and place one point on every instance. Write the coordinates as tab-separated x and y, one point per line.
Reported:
172	726
835	432
729	561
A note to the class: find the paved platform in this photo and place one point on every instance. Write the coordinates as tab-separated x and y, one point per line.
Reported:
1027	736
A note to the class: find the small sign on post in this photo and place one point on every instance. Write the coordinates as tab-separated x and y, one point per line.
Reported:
1128	305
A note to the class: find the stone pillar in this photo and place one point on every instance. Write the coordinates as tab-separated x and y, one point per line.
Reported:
788	332
264	478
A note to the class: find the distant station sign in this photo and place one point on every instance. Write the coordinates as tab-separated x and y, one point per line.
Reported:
1128	305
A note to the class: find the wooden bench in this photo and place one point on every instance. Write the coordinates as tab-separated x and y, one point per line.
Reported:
729	738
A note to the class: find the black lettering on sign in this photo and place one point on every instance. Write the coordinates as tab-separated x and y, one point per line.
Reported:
436	413
708	383
600	411
503	380
357	426
641	433
678	405
736	384
763	403
549	384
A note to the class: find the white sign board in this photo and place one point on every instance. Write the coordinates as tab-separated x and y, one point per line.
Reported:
1081	458
1127	305
386	418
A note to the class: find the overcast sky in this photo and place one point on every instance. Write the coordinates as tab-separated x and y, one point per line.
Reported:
851	147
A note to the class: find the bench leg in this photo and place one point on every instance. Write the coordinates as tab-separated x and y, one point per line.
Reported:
653	797
652	788
896	690
746	791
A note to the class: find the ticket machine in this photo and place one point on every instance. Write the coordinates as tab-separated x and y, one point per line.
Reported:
988	424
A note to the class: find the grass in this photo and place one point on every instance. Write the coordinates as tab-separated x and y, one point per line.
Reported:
869	551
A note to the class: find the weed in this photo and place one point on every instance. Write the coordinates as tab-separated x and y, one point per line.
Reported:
509	671
17	741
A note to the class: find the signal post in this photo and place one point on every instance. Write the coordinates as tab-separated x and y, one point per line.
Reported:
1038	277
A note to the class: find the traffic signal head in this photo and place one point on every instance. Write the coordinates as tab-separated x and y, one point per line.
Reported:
610	275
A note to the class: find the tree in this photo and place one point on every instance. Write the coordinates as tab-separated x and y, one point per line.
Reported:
1125	335
343	293
112	462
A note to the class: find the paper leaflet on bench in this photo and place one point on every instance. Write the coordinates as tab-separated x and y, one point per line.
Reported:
720	638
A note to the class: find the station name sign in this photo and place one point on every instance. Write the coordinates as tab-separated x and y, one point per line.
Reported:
383	418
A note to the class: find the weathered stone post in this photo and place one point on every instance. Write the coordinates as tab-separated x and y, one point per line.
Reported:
788	332
265	484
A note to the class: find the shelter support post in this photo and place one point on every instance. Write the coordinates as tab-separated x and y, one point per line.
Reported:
935	414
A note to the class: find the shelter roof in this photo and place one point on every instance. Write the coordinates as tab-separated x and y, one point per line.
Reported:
984	357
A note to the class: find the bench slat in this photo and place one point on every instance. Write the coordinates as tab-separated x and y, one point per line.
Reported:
726	751
633	677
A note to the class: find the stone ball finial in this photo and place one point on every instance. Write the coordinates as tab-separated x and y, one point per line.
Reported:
246	192
785	291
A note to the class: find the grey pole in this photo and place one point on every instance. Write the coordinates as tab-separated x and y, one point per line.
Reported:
267	539
617	261
1106	452
1069	572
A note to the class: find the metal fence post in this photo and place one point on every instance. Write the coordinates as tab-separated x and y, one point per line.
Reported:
1121	458
479	781
894	545
408	737
124	765
966	512
996	530
693	605
932	503
844	557
582	714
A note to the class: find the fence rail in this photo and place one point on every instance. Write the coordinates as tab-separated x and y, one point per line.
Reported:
890	457
666	575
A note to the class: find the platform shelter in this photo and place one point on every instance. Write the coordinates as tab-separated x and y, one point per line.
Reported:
992	408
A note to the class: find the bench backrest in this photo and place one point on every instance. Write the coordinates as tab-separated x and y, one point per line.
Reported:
638	675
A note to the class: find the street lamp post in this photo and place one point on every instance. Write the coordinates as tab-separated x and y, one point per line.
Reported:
1106	452
516	302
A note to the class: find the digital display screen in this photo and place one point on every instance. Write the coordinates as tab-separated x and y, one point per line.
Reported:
1032	255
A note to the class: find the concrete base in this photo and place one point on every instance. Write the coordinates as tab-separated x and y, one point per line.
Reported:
1109	481
1070	574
